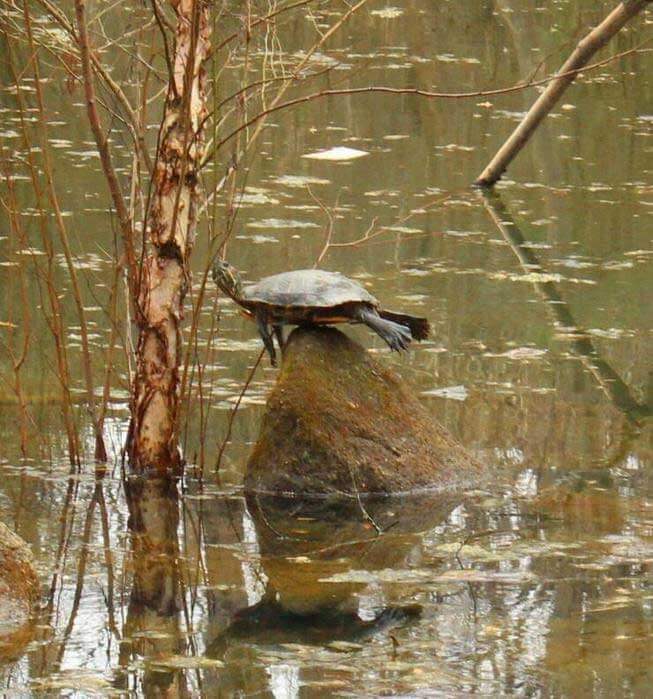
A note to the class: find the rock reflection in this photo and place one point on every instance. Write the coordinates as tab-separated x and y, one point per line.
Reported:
305	544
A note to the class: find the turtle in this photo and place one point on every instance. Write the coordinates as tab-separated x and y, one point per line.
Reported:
314	297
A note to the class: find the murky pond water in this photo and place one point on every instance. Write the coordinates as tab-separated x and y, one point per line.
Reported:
540	363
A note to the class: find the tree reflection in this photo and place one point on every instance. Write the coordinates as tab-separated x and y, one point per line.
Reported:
152	627
606	377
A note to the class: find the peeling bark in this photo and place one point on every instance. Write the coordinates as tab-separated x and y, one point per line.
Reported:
164	273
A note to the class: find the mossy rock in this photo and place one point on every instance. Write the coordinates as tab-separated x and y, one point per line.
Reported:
339	423
19	587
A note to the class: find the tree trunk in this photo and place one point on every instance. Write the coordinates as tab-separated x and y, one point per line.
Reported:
595	40
164	274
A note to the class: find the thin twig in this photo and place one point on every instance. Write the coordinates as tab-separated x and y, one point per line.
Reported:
261	20
103	147
330	226
166	48
232	416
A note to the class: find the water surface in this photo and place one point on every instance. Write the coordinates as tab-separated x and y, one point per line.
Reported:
540	363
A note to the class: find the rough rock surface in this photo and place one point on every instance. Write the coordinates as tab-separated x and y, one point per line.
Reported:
338	422
18	583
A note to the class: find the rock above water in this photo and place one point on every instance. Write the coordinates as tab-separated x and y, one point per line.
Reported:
18	592
339	423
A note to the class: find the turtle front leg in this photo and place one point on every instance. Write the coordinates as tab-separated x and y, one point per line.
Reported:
278	333
266	336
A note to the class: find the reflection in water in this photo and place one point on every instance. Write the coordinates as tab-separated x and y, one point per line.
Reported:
480	591
608	379
306	545
308	548
152	626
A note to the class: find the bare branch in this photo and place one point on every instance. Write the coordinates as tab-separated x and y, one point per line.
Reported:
261	20
103	145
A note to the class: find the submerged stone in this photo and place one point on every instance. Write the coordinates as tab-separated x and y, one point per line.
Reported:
339	423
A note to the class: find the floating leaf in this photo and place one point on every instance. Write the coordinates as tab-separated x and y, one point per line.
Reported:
452	392
521	353
281	223
337	153
345	645
450	58
300	180
388	575
187	662
388	12
80	680
476	552
256	198
609	333
473	575
455	147
259	239
30	251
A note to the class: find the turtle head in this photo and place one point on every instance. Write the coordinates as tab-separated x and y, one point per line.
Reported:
227	278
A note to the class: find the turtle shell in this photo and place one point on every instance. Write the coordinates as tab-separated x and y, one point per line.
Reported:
307	288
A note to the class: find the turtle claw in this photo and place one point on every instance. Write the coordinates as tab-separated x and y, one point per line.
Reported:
395	335
398	343
401	340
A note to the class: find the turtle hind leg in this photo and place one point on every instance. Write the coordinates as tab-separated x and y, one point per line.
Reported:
396	336
420	328
264	331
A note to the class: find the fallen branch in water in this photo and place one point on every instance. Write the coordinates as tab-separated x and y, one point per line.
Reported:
587	47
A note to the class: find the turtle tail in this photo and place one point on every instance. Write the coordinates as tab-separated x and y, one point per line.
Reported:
419	327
